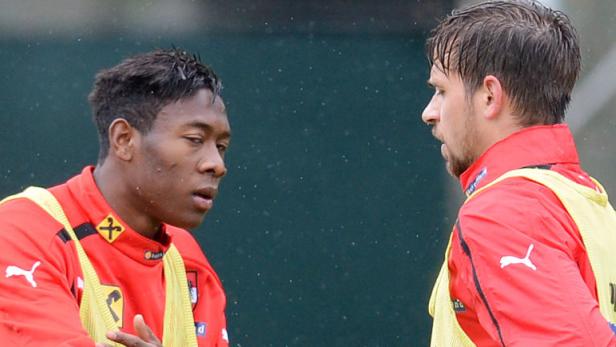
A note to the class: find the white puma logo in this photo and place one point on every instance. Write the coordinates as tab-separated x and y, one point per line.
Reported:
16	271
508	260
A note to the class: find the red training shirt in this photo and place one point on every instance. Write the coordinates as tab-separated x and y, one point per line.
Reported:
554	304
39	304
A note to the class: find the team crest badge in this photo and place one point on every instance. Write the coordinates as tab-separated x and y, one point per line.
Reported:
193	290
115	302
110	228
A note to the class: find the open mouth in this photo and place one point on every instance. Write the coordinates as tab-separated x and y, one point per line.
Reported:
206	193
204	198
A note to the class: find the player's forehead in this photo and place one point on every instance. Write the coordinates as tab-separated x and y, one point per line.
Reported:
437	74
202	111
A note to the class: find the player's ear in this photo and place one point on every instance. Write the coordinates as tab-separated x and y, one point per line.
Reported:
492	98
122	137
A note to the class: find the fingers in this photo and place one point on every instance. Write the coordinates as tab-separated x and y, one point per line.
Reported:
145	337
126	339
144	331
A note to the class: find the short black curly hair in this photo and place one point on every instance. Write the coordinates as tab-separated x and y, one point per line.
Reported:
140	86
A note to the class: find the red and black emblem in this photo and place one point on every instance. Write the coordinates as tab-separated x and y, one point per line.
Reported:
193	289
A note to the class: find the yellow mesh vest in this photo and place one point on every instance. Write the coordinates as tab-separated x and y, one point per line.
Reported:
446	332
596	221
179	326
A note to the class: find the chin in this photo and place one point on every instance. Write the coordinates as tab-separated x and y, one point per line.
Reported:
450	169
188	222
451	173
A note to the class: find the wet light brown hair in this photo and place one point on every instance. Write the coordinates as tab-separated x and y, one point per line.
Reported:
532	50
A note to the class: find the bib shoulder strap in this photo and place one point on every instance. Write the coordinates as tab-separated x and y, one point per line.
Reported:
94	312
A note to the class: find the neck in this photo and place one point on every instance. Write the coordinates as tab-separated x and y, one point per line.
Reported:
121	195
495	131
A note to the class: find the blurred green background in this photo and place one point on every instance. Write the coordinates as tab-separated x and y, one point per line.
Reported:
324	230
330	226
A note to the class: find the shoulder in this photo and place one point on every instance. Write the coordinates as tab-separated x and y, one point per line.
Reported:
516	193
29	234
514	200
517	208
184	241
187	245
24	219
192	254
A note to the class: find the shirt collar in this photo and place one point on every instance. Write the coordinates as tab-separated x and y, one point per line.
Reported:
532	146
103	218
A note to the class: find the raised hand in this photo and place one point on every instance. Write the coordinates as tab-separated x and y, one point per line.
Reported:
144	338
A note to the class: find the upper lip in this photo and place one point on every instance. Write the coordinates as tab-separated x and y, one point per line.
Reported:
207	192
436	135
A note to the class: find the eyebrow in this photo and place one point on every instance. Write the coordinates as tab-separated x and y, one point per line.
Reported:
433	84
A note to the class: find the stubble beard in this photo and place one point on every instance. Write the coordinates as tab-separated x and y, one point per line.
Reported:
457	164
